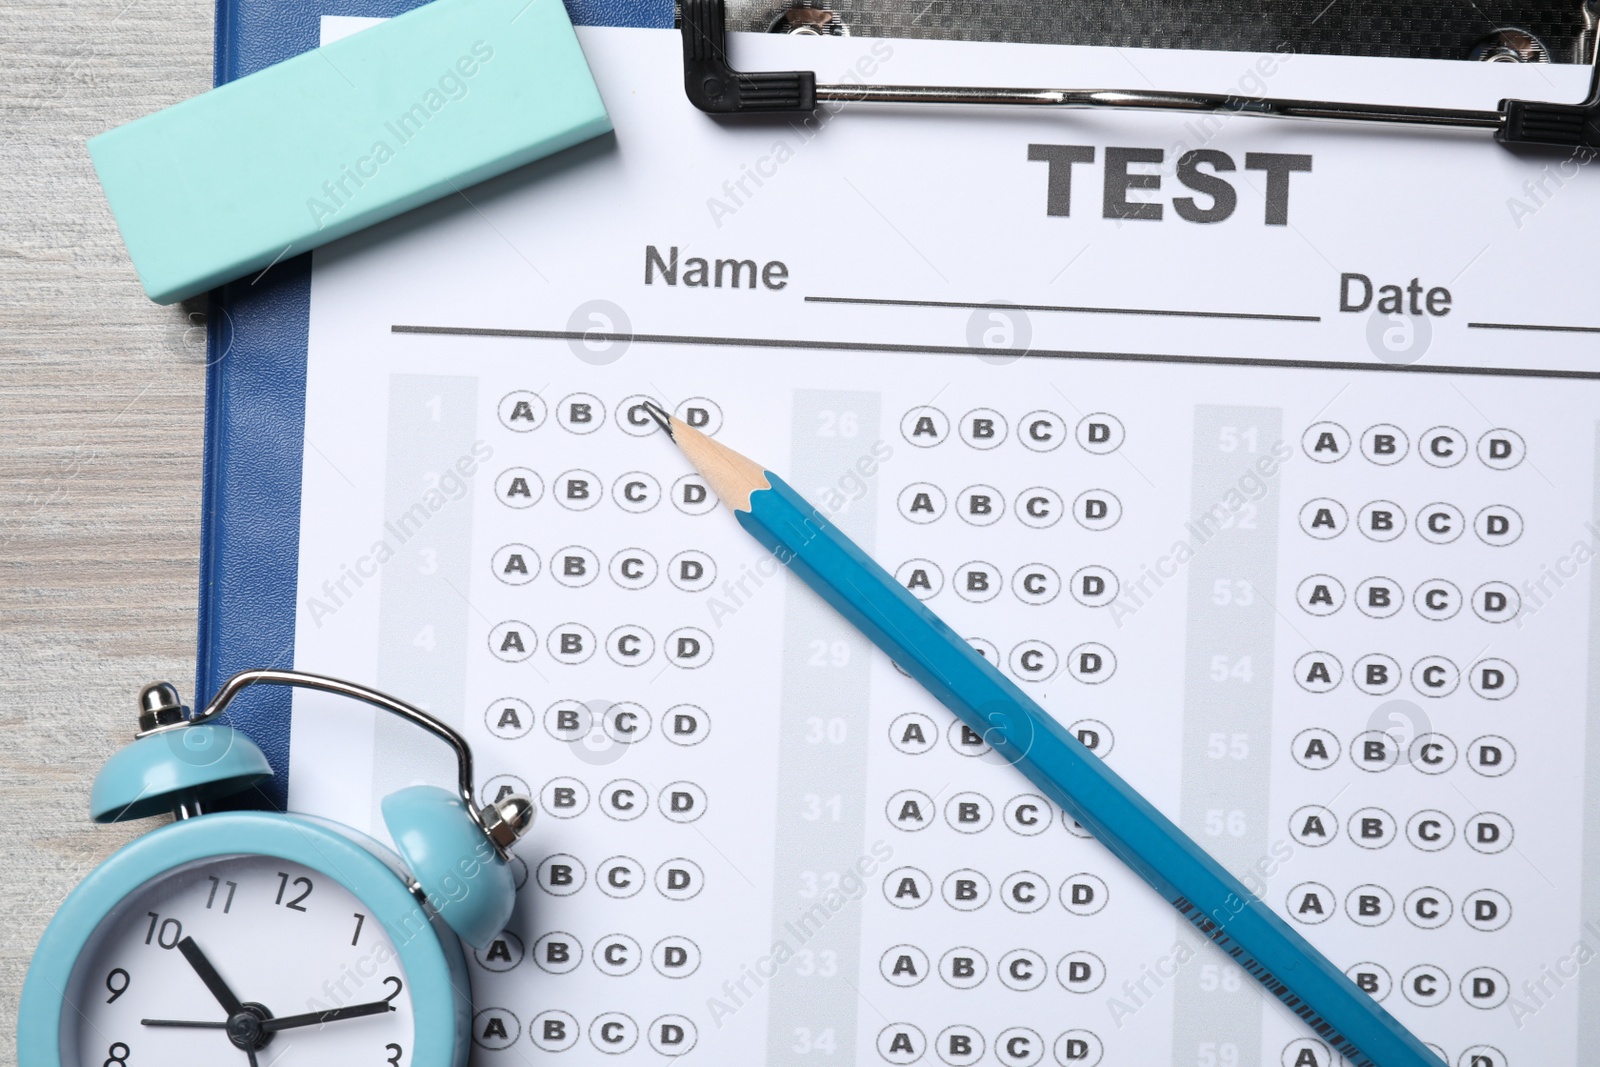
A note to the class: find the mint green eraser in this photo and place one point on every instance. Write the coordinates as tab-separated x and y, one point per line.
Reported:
324	144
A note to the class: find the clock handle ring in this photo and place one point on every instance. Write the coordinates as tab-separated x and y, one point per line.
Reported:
501	827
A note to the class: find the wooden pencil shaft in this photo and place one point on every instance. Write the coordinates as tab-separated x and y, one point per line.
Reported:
1214	902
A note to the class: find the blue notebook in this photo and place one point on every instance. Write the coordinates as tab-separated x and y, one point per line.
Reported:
255	400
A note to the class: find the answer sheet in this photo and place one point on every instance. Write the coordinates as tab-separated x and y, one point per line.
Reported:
1261	452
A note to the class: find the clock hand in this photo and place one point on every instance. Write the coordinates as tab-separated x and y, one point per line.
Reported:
312	1018
208	974
184	1022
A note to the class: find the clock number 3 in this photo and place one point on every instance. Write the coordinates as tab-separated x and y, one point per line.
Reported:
283	884
394	1052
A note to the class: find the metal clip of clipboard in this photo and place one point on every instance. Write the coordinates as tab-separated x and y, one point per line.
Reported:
714	86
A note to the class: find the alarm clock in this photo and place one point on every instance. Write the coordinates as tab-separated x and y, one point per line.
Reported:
256	937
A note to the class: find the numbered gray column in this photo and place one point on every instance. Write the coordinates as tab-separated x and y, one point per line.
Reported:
1589	897
1227	714
822	755
423	615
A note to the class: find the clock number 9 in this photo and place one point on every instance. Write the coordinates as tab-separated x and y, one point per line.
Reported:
115	1058
115	987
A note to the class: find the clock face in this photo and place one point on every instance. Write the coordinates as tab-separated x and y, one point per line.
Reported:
276	940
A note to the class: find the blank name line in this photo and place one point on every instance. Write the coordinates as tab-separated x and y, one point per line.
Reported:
1531	326
1062	307
965	350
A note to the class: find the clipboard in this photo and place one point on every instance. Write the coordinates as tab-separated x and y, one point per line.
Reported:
257	329
255	399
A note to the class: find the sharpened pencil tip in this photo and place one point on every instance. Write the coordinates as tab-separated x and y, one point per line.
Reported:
659	413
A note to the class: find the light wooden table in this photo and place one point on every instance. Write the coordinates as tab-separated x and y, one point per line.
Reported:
101	415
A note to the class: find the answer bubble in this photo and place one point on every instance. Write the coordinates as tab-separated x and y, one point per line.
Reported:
1384	444
521	411
904	966
1501	449
1442	446
1373	979
682	802
518	487
1498	525
921	502
1039	507
922	578
1320	595
1496	602
1036	583
925	427
907	888
679	879
969	813
633	568
512	641
983	428
980	505
910	810
1425	985
1028	814
577	489
1435	676
1041	431
673	1035
574	566
1381	520
1022	969
634	418
692	571
1099	434
1440	523
561	875
612	1032
692	496
630	645
564	797
685	725
1369	905
570	643
700	413
554	1030
1033	661
509	718
1323	518
1325	442
901	1043
515	564
1097	509
619	877
636	492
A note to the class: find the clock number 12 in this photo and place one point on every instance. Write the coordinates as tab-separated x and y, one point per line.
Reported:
283	884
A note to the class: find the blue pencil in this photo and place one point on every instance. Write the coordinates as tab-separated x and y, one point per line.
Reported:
1152	846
